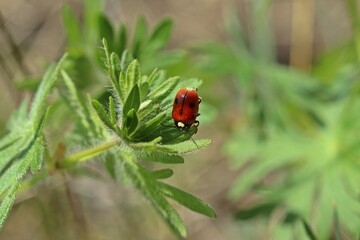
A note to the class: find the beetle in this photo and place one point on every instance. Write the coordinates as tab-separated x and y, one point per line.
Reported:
186	108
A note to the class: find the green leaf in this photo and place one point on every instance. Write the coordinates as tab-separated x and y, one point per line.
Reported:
162	173
144	88
11	151
48	81
7	179
72	28
34	122
14	174
7	203
160	36
79	107
147	131
164	89
126	59
111	63
106	30
132	101
133	75
115	64
98	128
31	159
102	113
25	151
188	146
139	37
146	184
156	78
188	200
112	112
152	76
115	70
122	87
38	155
110	164
122	40
92	10
156	156
131	121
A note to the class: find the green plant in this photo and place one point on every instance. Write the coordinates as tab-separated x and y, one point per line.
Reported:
141	100
22	148
297	140
147	47
129	120
84	62
132	129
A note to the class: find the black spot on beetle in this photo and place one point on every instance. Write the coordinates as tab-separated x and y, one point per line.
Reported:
191	104
176	100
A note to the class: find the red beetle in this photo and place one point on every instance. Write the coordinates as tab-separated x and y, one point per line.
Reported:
186	108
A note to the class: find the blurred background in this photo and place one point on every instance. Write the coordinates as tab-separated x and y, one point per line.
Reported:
281	94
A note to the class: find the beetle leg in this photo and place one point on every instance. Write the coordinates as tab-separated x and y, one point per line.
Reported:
196	123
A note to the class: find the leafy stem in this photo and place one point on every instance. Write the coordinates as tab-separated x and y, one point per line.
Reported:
135	114
86	154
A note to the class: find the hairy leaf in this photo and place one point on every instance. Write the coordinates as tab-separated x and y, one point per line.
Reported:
188	146
188	200
164	89
131	121
132	101
157	156
147	185
102	113
26	152
133	74
163	173
112	111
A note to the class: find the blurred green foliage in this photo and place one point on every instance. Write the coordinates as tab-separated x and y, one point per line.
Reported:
297	139
86	61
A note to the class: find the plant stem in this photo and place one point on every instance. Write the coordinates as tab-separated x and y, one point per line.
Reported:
86	155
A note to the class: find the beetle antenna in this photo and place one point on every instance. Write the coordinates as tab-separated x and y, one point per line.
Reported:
194	142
